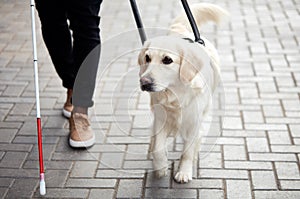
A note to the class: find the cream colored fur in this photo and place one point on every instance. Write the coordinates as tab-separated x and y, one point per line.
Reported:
182	90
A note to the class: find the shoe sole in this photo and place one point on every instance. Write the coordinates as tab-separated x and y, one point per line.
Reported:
82	144
66	113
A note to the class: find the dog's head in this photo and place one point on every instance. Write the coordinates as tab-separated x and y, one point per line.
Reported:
168	62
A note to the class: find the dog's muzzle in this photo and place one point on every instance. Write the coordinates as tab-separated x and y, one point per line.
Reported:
147	84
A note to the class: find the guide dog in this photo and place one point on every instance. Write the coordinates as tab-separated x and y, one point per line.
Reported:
181	76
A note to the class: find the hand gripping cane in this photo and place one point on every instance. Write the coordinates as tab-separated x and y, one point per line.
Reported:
37	97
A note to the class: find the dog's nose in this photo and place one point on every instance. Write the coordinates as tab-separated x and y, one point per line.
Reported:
146	84
146	80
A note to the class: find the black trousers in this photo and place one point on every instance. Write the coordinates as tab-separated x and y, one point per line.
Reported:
74	47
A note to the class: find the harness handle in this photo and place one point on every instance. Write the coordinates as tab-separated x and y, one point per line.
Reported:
187	10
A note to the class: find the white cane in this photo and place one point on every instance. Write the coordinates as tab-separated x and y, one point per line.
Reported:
37	97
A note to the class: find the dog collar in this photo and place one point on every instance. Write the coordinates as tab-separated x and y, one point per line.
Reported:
192	41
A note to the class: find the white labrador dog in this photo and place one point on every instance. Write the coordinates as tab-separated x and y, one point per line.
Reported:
180	76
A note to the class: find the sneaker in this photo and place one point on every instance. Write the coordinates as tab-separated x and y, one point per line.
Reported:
68	107
81	134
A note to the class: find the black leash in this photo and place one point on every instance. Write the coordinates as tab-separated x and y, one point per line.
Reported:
138	21
192	22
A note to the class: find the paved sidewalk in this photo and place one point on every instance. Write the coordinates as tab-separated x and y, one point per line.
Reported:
256	155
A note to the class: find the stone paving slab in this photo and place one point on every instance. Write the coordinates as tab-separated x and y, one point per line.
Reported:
256	155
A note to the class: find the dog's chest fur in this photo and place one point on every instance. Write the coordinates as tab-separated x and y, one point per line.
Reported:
175	110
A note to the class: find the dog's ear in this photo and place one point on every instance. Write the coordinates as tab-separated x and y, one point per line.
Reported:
141	57
192	61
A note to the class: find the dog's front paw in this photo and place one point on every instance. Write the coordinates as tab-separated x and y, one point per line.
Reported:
161	172
182	177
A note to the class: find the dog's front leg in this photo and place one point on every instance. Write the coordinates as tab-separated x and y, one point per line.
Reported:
190	151
160	161
159	151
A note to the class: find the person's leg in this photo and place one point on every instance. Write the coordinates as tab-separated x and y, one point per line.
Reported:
57	37
84	22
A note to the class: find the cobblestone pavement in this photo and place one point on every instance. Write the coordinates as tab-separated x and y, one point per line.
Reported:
255	156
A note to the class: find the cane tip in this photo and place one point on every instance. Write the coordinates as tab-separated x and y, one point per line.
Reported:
42	187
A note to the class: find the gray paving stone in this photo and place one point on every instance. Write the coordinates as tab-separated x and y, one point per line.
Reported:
48	150
253	117
263	180
10	125
13	159
295	130
242	133
138	164
33	140
277	194
279	137
287	170
227	140
108	148
84	169
3	192
120	173
21	109
16	147
130	188
56	178
128	140
29	127
170	193
57	122
51	165
286	148
238	189
257	144
234	152
22	188
232	123
248	165
103	193
112	160
66	193
212	160
222	173
75	156
211	193
265	127
13	90
289	185
91	183
6	182
154	182
200	184
272	157
17	173
7	135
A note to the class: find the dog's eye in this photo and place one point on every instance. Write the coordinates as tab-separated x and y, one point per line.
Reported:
167	60
147	59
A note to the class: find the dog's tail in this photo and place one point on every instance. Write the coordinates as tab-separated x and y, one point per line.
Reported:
203	13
